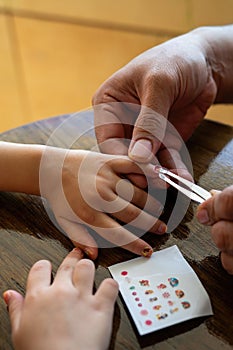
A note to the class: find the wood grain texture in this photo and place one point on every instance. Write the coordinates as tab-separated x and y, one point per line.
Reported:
28	235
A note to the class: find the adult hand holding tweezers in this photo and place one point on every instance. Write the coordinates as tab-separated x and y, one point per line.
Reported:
179	80
217	212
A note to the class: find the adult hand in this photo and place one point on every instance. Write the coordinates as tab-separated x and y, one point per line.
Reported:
89	189
178	81
64	314
218	213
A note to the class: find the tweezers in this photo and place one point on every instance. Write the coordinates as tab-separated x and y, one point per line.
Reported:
193	191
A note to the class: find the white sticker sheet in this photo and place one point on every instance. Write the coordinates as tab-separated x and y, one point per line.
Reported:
161	291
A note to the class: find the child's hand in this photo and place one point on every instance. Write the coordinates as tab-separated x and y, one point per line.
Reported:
64	314
218	212
84	187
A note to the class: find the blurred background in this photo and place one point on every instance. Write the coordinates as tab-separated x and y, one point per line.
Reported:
55	53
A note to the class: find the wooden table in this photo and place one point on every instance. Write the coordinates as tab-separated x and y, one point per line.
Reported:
27	235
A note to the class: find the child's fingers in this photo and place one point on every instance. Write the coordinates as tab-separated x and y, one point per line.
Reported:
107	292
39	276
65	271
118	235
83	277
14	301
80	237
137	196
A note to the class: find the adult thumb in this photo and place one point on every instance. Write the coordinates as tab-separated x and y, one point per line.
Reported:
148	134
14	301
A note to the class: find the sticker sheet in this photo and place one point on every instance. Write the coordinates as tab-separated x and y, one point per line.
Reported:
161	291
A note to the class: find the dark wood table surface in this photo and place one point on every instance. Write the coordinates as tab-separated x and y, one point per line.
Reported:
27	235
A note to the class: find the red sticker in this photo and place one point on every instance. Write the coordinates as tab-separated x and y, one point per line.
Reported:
124	273
148	322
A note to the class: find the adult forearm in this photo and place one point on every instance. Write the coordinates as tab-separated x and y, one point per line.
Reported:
19	167
218	45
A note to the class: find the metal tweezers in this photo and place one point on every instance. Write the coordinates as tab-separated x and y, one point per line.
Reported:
193	191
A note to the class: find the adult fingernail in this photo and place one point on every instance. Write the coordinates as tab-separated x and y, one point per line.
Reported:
147	251
203	216
142	149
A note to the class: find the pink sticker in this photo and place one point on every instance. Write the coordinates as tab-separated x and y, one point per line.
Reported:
144	312
137	299
134	293
140	305
166	295
161	286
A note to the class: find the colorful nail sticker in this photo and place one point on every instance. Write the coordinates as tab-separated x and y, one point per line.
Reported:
144	312
172	311
161	316
148	322
137	299
173	281
124	273
132	287
140	305
144	283
134	293
185	304
149	291
170	302
153	299
166	295
157	307
161	286
179	293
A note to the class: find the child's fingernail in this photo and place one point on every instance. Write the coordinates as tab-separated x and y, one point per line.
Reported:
162	228
147	251
203	216
6	296
87	252
78	250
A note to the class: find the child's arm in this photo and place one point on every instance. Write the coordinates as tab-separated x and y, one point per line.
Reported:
64	314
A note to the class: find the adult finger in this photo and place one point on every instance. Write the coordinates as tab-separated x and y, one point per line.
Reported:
148	134
219	207
65	271
227	262
14	301
112	127
222	234
83	277
39	276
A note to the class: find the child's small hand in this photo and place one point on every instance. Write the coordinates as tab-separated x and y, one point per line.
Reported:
218	212
87	188
64	314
